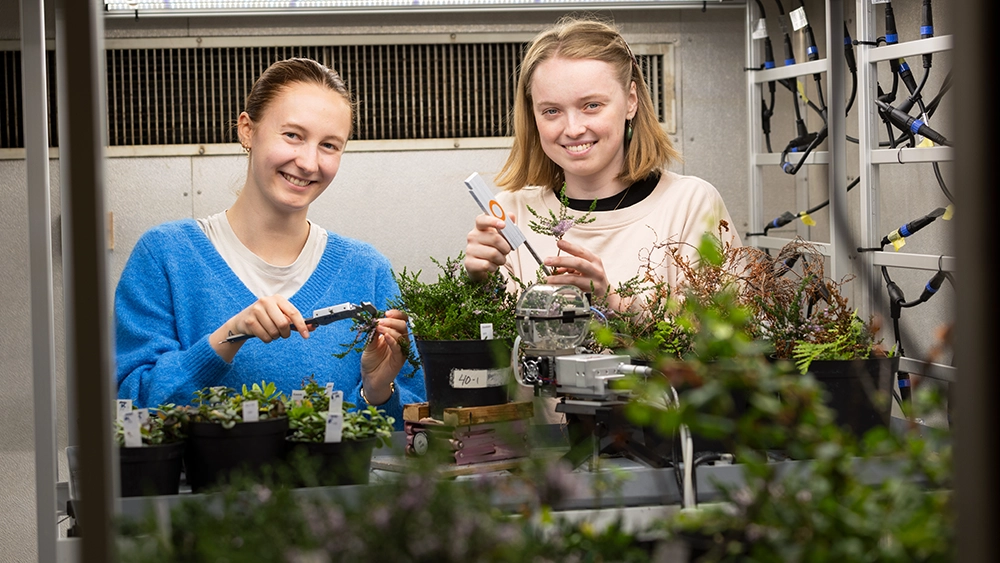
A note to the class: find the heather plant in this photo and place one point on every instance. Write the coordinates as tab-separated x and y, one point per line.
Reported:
805	315
823	510
454	306
555	225
364	325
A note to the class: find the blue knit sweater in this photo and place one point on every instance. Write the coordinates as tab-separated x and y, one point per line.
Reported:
176	290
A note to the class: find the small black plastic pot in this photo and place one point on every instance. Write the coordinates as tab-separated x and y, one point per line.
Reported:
852	387
213	453
325	464
150	470
448	364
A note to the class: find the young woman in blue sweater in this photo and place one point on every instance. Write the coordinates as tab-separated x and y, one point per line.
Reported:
260	267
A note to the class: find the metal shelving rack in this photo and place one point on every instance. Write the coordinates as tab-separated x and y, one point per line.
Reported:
834	157
871	157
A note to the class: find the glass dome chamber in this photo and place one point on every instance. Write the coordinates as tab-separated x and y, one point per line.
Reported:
552	317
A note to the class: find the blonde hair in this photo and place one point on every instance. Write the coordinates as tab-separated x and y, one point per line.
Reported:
574	38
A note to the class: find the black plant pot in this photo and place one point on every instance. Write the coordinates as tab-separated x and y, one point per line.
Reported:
150	470
464	373
330	463
859	391
213	453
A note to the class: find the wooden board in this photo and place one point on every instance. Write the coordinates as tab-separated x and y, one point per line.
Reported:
413	412
468	416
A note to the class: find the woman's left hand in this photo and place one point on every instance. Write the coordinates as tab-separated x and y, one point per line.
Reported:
384	357
578	266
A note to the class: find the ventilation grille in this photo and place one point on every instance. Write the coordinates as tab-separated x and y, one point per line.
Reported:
177	96
12	104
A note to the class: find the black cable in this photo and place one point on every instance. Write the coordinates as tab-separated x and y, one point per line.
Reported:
767	110
945	86
787	217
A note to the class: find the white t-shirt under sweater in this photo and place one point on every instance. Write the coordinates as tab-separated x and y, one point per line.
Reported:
680	209
260	277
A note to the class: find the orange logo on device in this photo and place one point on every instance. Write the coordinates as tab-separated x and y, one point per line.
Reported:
502	215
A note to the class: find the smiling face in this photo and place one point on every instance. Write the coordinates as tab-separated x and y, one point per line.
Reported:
296	146
580	109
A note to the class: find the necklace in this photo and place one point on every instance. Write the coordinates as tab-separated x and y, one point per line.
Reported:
624	195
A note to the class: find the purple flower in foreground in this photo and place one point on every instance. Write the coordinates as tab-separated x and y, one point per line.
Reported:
561	227
557	225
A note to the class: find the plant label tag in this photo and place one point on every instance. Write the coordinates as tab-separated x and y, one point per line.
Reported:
124	406
484	197
334	427
486	331
298	395
250	412
133	434
329	388
478	378
760	30
143	415
798	17
336	401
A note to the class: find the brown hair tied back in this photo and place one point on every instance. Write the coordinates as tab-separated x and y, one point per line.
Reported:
283	74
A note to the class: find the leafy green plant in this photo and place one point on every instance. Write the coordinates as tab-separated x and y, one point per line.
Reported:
415	517
307	418
162	426
224	406
454	306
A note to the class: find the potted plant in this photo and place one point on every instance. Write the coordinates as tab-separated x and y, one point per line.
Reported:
312	459
807	319
227	434
462	367
154	467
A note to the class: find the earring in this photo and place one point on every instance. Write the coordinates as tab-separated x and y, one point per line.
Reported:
246	148
628	130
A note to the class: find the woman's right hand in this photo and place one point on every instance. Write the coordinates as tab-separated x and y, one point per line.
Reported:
268	318
485	248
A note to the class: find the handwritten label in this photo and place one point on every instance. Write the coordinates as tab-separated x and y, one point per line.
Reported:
486	331
124	406
143	415
329	388
250	411
297	396
334	427
478	378
336	401
133	433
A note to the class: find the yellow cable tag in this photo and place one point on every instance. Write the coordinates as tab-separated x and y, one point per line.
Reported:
802	90
899	243
949	212
807	220
926	143
894	236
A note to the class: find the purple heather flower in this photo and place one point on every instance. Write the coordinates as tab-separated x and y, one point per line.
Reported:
561	227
